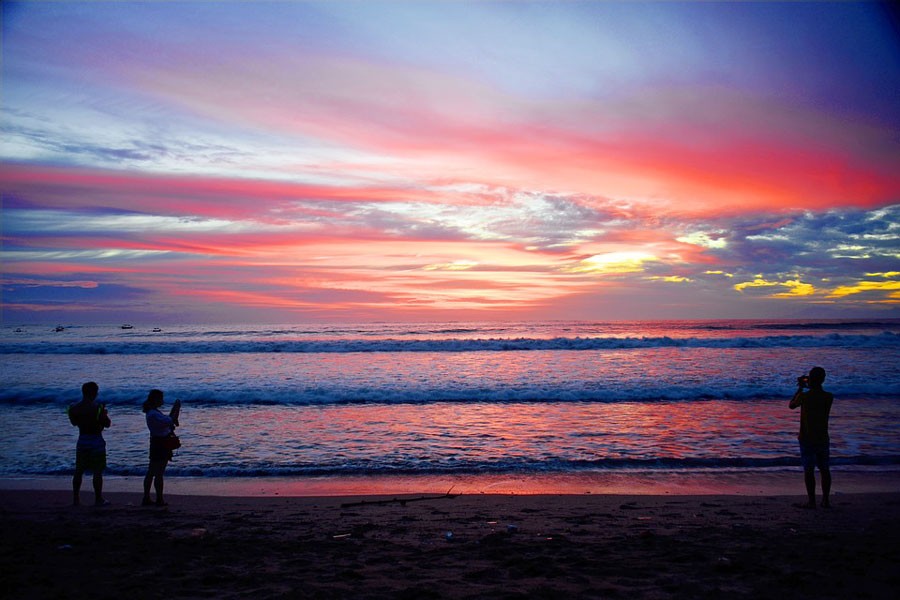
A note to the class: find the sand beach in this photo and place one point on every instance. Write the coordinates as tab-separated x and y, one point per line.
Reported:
450	546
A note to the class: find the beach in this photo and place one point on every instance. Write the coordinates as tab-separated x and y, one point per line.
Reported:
439	545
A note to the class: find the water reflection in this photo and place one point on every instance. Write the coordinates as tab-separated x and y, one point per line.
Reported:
449	437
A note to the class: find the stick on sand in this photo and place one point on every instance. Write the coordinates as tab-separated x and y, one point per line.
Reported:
400	501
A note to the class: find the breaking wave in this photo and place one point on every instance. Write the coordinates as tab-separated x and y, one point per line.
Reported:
884	339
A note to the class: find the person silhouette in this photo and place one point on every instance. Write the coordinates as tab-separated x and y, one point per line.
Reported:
161	426
815	408
91	418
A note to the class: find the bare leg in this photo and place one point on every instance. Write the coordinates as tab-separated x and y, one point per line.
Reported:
76	487
98	489
148	481
158	485
154	478
809	477
826	487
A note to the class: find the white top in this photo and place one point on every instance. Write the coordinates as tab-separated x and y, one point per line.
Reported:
159	424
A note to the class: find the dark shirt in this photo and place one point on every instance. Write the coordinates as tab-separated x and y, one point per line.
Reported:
815	406
90	418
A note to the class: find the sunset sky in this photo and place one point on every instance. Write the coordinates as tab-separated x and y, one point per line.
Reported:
355	161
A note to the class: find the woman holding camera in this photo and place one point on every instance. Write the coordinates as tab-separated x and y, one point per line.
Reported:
162	432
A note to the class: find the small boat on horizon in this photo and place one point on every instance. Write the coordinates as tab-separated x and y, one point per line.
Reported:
127	326
156	330
59	328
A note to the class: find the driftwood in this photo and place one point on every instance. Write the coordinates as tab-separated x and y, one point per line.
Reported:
400	501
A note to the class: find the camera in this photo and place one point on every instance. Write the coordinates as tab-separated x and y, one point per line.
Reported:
803	381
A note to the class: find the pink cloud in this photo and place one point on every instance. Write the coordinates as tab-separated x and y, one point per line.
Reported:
233	198
706	151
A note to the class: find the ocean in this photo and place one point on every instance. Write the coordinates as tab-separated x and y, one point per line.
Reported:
302	401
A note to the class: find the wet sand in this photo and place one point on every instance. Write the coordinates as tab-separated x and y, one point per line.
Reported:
459	546
753	482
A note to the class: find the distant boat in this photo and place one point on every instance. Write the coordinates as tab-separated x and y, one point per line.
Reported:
156	330
127	326
19	330
59	328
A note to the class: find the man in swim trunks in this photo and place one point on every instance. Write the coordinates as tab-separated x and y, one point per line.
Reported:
91	419
815	407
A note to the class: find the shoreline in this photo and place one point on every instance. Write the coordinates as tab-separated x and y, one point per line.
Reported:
740	482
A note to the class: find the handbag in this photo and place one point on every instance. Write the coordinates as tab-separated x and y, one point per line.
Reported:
171	442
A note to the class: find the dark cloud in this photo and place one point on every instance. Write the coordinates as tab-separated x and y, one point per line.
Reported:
76	151
57	293
141	143
833	243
